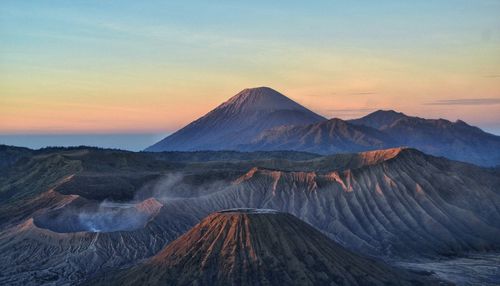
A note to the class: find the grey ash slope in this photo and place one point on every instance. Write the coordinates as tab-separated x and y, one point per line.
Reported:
454	140
252	247
238	121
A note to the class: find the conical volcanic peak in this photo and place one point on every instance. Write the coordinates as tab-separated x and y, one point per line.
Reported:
238	121
260	98
259	247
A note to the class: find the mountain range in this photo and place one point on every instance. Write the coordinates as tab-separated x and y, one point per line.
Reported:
264	119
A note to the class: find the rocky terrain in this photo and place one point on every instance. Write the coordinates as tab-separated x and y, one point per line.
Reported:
392	204
405	203
469	269
258	247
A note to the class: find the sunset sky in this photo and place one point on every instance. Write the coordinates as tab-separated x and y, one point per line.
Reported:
153	66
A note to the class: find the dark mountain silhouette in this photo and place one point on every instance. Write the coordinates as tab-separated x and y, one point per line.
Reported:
258	247
454	140
238	121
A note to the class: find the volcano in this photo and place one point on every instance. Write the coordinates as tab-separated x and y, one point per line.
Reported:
258	247
238	121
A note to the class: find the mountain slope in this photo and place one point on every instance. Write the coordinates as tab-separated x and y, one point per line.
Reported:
454	140
258	247
238	121
326	137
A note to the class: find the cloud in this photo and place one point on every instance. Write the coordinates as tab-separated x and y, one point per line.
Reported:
177	185
465	101
363	93
342	93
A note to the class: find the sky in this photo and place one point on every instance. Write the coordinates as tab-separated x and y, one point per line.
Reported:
150	67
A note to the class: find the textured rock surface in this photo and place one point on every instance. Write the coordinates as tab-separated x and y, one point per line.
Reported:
396	203
410	204
252	247
32	255
474	269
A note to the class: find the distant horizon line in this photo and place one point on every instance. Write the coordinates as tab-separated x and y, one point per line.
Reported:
110	133
495	131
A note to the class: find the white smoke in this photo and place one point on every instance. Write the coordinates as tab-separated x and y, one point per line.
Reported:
176	186
109	216
113	217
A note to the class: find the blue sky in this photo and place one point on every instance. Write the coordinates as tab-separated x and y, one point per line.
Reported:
153	66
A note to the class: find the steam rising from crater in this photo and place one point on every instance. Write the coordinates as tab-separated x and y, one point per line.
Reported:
109	219
104	217
107	216
180	186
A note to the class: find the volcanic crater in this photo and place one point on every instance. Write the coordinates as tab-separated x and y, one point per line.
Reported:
91	216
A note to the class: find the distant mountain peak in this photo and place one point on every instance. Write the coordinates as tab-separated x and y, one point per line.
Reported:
455	140
461	122
387	111
238	121
260	90
379	118
260	98
334	120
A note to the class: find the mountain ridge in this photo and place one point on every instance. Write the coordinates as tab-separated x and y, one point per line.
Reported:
455	140
326	137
